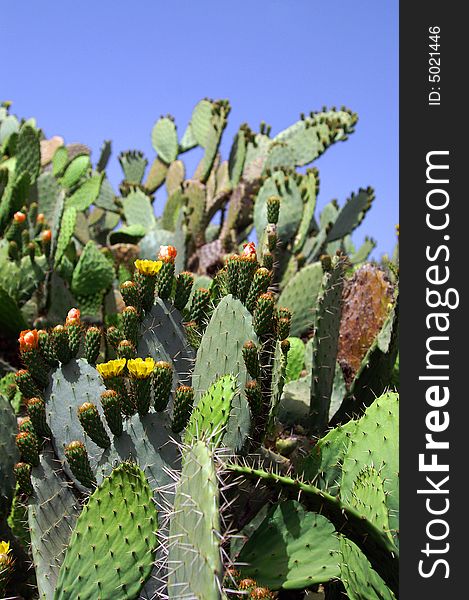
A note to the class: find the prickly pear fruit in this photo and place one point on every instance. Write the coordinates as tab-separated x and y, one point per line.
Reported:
37	412
162	383
91	422
264	314
23	477
112	411
92	344
28	446
183	401
78	460
184	283
251	358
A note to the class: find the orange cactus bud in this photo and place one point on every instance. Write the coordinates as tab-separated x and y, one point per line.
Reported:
167	253
40	218
73	317
19	217
46	235
249	250
28	340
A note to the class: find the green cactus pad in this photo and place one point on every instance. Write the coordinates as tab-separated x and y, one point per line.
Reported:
111	550
300	295
28	152
310	137
360	580
52	514
351	214
221	353
375	543
138	210
163	338
67	227
75	170
93	272
195	567
369	499
295	359
209	418
164	140
291	549
133	164
8	452
326	342
376	445
86	194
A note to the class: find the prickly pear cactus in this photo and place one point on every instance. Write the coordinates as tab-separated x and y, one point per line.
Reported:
179	369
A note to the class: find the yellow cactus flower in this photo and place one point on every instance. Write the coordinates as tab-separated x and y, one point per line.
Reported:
139	368
4	548
111	368
148	267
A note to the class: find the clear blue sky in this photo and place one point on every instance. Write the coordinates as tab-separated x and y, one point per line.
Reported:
108	69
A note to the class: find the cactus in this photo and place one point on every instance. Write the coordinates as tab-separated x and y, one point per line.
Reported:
202	352
120	513
289	536
194	547
52	514
9	453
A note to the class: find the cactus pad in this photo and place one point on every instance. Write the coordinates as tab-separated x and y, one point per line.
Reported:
194	560
291	549
112	546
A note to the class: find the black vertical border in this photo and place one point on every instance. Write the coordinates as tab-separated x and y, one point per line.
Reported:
422	129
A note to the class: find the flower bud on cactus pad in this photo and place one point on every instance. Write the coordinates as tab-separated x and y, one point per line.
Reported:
273	208
232	274
92	344
184	283
25	424
193	334
272	237
162	383
28	446
46	347
37	411
110	402
26	384
91	422
283	328
79	463
145	278
23	477
114	336
74	338
264	314
251	358
183	402
140	372
61	344
129	291
268	260
165	279
126	349
200	306
130	323
247	267
254	397
260	285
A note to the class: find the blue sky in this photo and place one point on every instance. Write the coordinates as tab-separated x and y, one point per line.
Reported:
90	71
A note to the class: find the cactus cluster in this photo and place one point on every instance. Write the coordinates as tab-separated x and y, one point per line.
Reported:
194	414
